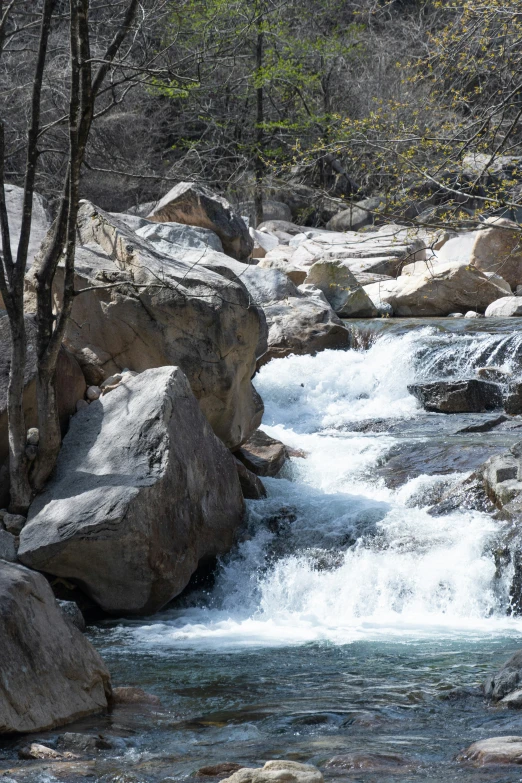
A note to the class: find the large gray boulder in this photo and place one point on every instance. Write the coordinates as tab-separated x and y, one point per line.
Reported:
142	492
447	288
498	248
170	238
505	307
146	309
70	388
347	298
14	197
195	205
508	679
463	396
300	320
50	673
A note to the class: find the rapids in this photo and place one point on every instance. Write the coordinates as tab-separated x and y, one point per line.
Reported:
346	619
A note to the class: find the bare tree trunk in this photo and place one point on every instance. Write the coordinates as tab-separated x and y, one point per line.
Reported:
260	117
19	482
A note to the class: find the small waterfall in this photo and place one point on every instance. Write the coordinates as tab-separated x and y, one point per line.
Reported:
334	553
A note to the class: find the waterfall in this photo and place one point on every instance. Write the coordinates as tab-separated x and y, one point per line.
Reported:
334	552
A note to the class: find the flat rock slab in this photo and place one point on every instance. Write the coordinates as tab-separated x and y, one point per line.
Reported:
496	750
50	673
143	490
467	396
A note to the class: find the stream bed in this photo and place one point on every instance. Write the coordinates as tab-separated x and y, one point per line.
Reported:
347	621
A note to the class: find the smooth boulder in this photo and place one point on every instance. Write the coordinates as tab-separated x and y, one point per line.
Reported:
467	396
505	307
495	750
498	248
50	673
195	205
347	298
142	492
172	238
447	288
146	309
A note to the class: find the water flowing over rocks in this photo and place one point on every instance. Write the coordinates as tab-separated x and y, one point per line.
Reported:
50	674
472	396
194	205
142	492
165	312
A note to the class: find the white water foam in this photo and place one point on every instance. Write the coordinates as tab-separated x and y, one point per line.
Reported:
348	558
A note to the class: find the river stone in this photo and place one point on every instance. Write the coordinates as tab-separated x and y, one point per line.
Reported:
466	396
195	205
341	289
142	492
13	523
50	674
505	307
496	750
513	398
182	315
498	248
262	454
171	238
278	771
506	680
447	288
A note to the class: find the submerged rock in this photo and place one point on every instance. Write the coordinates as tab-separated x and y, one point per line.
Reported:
143	490
126	694
467	396
279	771
496	750
50	674
371	762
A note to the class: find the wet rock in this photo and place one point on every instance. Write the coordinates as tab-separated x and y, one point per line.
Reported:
485	426
127	694
469	495
72	611
473	314
37	751
496	750
262	454
505	307
467	396
495	374
341	289
513	700
507	680
195	205
219	770
50	674
513	398
374	762
13	523
251	485
83	743
147	491
279	771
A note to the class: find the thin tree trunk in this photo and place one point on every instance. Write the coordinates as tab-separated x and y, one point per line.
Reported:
19	482
260	117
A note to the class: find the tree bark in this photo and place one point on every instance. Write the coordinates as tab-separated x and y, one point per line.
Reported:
260	118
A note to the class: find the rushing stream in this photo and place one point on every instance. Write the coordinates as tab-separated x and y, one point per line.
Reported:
347	620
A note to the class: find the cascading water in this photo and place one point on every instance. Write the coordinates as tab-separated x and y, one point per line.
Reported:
347	619
334	553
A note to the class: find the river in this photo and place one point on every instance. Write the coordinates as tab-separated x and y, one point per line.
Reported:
347	619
